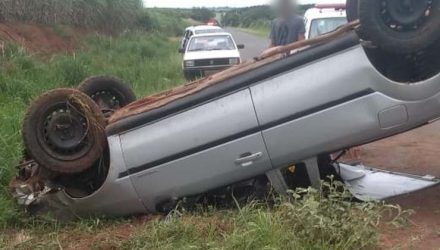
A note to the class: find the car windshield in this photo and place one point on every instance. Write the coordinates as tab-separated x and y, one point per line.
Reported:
325	25
208	43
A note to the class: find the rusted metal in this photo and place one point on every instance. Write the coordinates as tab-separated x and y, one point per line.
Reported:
159	100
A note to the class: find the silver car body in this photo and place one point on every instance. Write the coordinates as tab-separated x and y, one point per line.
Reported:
328	104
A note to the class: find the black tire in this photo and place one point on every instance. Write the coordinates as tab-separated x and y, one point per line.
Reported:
110	93
63	131
352	10
387	25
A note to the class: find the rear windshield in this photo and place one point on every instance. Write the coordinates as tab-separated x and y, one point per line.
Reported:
208	43
325	25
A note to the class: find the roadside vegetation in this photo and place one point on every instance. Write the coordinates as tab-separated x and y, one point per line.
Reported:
302	220
202	14
103	14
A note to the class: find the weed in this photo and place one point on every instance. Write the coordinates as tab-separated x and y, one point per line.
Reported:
304	220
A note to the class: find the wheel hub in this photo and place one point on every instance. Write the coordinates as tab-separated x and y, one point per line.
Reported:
106	100
405	15
65	131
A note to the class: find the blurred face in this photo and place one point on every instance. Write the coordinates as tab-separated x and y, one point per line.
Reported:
284	8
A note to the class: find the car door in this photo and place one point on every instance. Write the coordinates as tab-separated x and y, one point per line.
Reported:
212	145
317	107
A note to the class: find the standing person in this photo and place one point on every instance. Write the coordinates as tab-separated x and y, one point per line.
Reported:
288	27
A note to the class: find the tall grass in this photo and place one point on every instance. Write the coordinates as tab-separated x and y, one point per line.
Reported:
303	220
149	62
108	14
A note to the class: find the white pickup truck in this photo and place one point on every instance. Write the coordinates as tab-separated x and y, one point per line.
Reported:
209	53
324	18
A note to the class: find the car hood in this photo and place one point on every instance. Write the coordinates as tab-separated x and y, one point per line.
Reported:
197	55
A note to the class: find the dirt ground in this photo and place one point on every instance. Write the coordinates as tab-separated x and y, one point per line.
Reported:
415	152
41	39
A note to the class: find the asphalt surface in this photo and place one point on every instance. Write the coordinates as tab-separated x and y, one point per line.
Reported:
254	44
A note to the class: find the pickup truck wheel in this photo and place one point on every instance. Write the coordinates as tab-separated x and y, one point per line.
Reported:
108	92
400	26
63	131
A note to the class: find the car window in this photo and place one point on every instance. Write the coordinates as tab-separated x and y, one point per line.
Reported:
325	25
207	43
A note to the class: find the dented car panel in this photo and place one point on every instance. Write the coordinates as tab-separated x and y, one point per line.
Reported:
370	184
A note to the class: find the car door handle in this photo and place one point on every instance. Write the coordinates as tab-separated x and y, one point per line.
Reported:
248	159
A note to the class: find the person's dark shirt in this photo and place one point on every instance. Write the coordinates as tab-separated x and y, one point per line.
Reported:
286	30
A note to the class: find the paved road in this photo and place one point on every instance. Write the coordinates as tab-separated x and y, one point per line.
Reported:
254	44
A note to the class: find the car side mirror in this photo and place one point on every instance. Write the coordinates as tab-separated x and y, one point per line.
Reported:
181	50
240	46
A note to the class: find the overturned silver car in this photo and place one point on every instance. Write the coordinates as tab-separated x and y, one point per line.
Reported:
94	150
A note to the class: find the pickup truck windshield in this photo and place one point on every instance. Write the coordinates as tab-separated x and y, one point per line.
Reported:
325	25
208	43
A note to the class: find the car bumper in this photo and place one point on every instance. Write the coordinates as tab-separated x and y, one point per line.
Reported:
206	69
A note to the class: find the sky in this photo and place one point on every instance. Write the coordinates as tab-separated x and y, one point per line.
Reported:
220	3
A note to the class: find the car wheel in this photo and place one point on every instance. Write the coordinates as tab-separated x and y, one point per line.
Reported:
63	131
400	26
352	10
108	92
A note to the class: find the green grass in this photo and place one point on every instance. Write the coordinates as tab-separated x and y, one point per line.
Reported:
150	63
104	14
302	220
305	221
